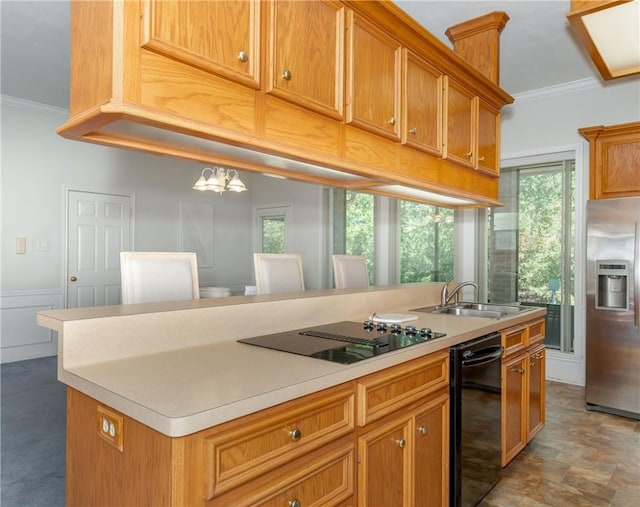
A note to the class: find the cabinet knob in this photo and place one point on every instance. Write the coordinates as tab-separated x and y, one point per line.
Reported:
243	56
480	159
295	434
517	370
74	278
533	364
469	154
286	74
295	503
401	443
423	430
413	131
391	121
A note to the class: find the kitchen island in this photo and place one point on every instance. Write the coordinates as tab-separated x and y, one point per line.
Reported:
162	399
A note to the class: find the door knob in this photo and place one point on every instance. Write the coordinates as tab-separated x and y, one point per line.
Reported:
74	278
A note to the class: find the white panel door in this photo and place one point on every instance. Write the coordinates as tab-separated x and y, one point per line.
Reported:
98	230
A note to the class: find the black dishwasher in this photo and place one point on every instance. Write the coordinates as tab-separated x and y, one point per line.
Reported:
475	454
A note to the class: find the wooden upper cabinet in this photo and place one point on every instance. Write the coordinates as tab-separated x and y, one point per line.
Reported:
472	130
421	104
373	77
223	37
614	160
460	124
488	138
305	59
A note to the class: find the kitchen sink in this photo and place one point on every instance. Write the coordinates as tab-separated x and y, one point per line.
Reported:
474	309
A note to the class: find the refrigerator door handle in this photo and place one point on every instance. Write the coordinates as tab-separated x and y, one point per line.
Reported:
636	276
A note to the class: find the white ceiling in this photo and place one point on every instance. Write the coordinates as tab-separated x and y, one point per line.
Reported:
537	48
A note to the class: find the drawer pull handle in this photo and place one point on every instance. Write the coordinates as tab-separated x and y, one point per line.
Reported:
295	503
401	443
295	434
243	56
517	370
413	131
423	430
286	75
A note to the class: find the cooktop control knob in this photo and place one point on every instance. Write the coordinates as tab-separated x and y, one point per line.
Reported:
382	327
396	328
368	325
411	330
425	332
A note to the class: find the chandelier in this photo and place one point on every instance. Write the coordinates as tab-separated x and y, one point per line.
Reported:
219	179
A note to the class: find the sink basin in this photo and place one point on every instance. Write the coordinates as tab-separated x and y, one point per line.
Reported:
468	312
474	309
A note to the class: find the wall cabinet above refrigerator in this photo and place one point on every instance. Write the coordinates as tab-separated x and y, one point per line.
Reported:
614	160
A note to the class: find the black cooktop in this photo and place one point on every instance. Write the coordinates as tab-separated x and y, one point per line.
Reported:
345	342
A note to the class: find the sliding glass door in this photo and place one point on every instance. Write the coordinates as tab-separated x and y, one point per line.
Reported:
531	243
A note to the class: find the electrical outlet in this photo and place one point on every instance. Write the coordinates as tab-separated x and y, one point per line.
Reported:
110	427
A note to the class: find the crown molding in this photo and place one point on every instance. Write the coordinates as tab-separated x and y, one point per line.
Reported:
559	89
30	105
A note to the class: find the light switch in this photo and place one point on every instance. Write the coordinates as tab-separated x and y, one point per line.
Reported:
21	245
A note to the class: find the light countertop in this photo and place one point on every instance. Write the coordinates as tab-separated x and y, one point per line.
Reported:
183	370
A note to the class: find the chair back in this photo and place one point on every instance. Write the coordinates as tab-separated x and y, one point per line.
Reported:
151	277
350	271
278	273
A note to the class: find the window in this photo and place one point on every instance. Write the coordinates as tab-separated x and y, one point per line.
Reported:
426	243
425	235
531	244
353	227
273	232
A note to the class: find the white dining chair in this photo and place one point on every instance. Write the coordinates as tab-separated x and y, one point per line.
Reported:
278	273
151	277
350	271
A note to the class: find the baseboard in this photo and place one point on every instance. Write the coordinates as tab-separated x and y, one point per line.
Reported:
21	338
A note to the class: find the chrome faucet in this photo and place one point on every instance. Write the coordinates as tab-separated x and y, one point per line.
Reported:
446	297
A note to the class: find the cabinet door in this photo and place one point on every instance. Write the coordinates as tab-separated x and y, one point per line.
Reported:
373	74
536	412
384	460
460	120
488	139
421	105
431	463
617	165
514	406
306	54
221	37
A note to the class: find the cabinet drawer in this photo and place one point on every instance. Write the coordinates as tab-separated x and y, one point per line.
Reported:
514	339
250	449
321	479
385	392
536	332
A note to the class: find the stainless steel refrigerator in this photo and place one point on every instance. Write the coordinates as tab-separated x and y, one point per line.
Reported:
613	320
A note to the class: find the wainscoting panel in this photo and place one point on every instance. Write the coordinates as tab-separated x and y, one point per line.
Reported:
21	338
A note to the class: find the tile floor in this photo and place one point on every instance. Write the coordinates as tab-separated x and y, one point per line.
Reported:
580	458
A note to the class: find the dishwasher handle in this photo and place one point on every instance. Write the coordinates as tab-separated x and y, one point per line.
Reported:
481	356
